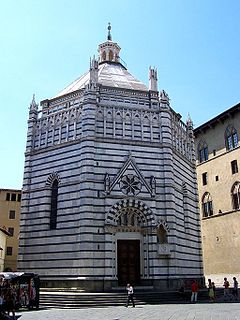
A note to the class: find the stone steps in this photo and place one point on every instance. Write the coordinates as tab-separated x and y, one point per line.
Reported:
71	299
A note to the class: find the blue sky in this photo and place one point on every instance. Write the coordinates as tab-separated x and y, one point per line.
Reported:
46	44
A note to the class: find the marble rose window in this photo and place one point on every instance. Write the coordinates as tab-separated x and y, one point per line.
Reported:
130	185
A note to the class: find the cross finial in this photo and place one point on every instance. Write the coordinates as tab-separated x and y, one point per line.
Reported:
109	32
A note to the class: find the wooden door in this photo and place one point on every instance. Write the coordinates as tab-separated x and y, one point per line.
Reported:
128	257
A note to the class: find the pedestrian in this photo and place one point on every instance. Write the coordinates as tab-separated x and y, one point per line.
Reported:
9	298
1	306
181	290
1	283
226	292
194	289
130	295
209	285
235	289
209	282
212	291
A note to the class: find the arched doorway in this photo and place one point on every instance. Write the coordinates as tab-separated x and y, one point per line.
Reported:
130	222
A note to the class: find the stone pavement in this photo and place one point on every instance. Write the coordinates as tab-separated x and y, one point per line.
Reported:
199	311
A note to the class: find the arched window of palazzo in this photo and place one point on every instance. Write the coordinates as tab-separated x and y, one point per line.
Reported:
161	235
207	206
236	196
202	151
54	205
231	138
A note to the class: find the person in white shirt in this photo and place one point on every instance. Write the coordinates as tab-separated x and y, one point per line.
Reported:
130	295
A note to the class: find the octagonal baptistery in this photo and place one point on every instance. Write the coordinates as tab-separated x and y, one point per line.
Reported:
109	188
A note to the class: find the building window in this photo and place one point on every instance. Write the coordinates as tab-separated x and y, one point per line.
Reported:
12	214
110	55
7	196
9	251
231	138
216	178
161	235
202	152
11	231
54	203
104	56
234	166
13	197
19	197
204	178
207	206
236	196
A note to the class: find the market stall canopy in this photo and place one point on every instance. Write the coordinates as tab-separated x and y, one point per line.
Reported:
11	275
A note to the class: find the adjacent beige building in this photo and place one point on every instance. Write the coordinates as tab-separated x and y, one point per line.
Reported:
3	242
218	165
10	204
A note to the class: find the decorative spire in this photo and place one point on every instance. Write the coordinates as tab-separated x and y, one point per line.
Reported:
153	85
33	109
189	122
93	71
33	104
164	99
109	37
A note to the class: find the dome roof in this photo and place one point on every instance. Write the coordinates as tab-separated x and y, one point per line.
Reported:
110	74
108	70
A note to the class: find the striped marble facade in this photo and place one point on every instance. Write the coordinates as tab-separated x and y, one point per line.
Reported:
125	166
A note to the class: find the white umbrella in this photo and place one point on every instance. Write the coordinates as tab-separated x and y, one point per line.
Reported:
10	275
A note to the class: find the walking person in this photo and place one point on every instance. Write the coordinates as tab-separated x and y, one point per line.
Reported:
235	289
209	283
212	291
130	295
226	292
181	289
10	302
209	287
194	289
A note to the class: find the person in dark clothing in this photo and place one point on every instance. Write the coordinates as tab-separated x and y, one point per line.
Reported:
130	295
235	288
10	302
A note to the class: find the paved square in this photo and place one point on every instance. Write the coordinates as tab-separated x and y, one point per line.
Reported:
201	311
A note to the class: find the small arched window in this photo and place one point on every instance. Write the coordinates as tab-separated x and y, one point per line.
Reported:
104	56
236	196
161	235
110	55
207	206
54	205
202	151
231	138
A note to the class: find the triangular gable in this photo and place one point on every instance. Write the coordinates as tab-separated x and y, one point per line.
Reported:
130	164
